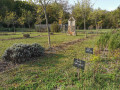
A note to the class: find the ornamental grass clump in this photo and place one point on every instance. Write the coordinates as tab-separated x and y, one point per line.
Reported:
103	41
109	40
19	53
114	42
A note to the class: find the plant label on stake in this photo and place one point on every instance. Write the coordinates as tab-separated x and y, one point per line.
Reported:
89	50
79	63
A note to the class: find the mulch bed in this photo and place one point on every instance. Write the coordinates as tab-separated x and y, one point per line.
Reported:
63	46
7	34
20	38
24	37
5	66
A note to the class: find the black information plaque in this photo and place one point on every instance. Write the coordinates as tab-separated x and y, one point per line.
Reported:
79	63
89	50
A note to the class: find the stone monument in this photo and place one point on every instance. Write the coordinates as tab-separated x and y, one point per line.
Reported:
71	27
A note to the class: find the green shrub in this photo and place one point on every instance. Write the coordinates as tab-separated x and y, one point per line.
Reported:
114	41
19	53
55	27
26	35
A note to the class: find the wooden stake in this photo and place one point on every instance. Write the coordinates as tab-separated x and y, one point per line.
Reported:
78	71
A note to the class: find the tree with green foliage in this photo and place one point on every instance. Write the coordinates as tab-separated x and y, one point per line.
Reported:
39	15
7	19
77	14
6	5
10	18
21	20
86	8
29	17
0	18
97	16
14	19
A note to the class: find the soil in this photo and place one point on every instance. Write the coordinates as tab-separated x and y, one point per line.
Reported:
63	46
7	34
21	38
5	66
26	38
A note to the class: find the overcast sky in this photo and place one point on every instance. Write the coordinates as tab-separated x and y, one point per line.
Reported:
103	4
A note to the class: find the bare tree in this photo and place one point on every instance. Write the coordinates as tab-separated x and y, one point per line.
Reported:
44	4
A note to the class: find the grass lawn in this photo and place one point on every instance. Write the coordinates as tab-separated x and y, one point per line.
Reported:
56	39
95	31
56	71
19	34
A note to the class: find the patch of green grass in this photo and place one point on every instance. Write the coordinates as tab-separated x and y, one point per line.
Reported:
10	35
15	80
57	71
56	39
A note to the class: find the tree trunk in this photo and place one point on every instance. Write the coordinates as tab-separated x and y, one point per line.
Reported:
29	26
85	27
96	26
49	43
14	27
96	23
84	24
8	28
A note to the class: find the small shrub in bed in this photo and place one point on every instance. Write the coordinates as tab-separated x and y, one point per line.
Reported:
26	35
55	27
19	53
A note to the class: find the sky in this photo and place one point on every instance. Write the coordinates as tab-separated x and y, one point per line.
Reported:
103	4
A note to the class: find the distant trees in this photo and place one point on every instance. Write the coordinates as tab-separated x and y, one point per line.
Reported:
26	13
21	20
57	11
39	15
29	13
82	10
10	18
96	17
86	8
0	18
6	5
83	7
29	17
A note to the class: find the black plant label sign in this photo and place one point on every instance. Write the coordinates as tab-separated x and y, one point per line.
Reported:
89	50
79	63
